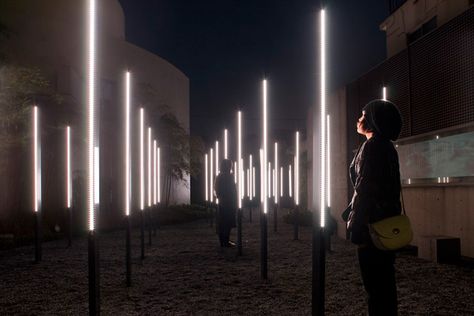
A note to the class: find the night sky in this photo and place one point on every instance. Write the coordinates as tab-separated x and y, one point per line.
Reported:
226	47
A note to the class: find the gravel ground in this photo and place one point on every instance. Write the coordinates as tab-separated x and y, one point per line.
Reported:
186	273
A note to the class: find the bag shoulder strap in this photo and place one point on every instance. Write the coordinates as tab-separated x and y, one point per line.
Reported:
403	202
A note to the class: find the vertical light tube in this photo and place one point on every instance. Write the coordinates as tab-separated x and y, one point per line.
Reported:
36	161
251	177
242	180
297	169
262	177
328	162
253	182
149	167
225	144
275	176
281	181
265	201
217	165
68	168
235	171
96	176
127	145
205	177
273	182
142	167
384	93
91	110
217	158
154	172
290	189
158	176
269	180
239	154
323	117
211	177
248	183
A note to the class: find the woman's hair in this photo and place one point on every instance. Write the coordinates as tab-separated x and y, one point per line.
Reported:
226	165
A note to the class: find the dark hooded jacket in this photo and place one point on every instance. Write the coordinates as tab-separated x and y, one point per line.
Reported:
375	173
226	192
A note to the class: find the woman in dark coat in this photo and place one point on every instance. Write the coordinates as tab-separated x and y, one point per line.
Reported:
226	192
375	174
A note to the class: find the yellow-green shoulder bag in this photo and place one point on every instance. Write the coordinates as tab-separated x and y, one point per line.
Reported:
392	233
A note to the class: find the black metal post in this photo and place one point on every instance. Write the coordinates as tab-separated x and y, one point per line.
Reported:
69	237
128	253
142	234
155	218
149	225
263	246
239	231
318	275
296	224
275	218
93	254
38	237
215	210
211	214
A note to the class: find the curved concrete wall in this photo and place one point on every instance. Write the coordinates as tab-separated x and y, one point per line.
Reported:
51	35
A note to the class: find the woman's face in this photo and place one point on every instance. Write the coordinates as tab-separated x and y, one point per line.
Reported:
361	125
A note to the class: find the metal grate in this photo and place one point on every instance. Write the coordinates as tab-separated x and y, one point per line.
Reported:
432	82
442	71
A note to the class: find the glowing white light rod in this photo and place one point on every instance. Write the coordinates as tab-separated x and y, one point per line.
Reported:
211	178
323	117
265	201
68	168
297	169
242	180
235	171
281	181
262	177
127	145
269	180
96	176
205	177
158	176
149	167
253	182
142	167
36	161
154	172
217	158
328	163
384	93
91	78
239	154
248	183
273	182
290	189
275	176
251	177
225	144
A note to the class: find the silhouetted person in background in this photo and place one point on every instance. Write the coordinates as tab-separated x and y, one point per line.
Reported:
375	174
226	192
